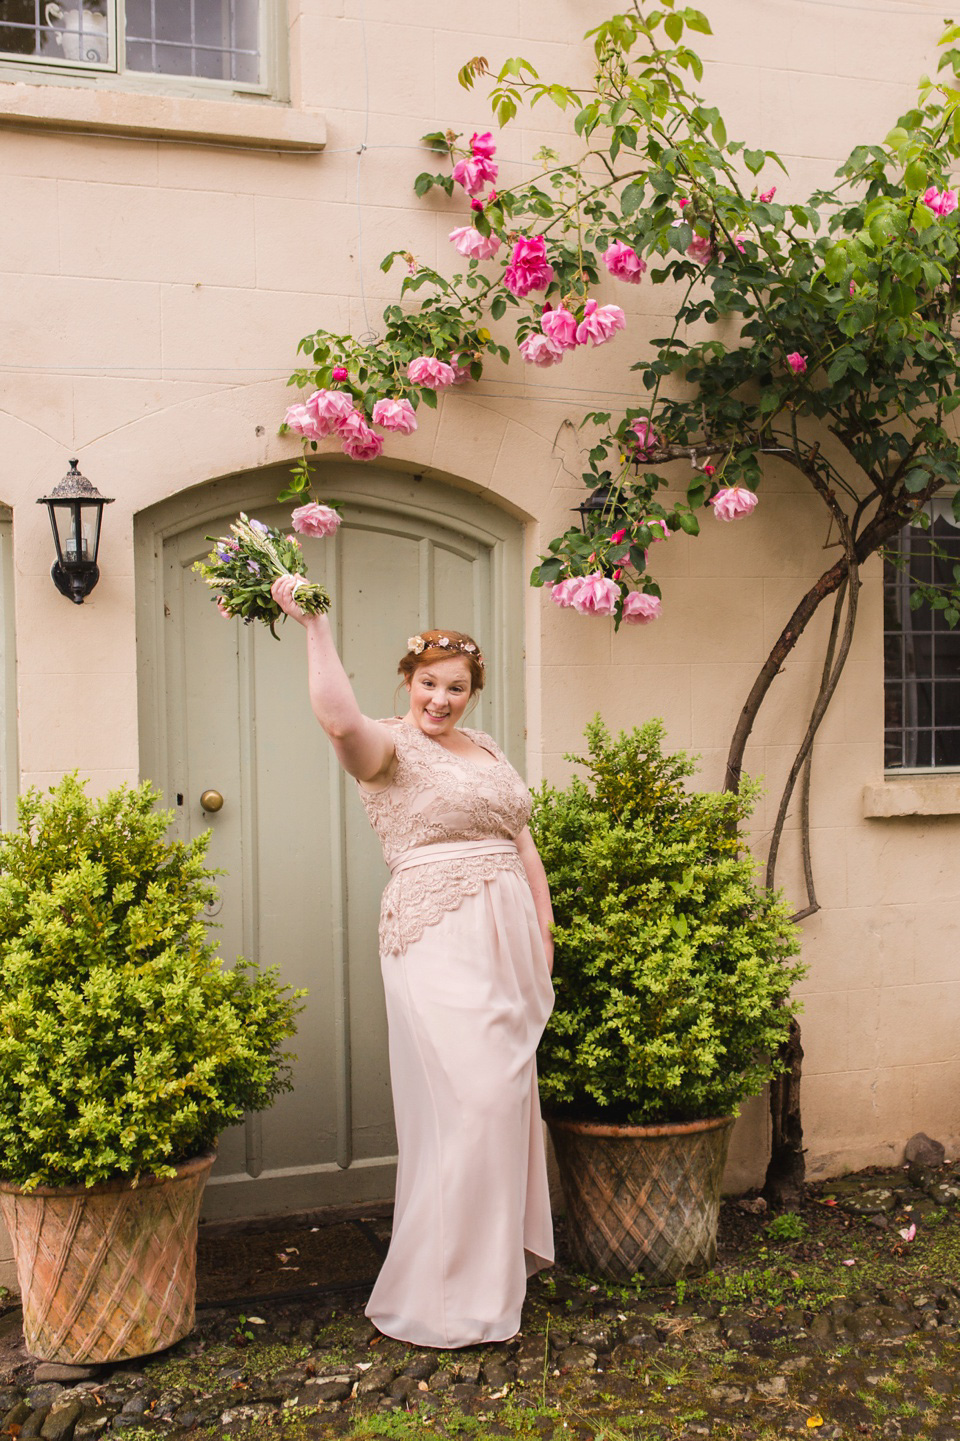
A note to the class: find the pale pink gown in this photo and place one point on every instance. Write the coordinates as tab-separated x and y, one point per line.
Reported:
468	995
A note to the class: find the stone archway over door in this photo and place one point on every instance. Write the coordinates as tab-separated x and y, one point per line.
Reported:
224	706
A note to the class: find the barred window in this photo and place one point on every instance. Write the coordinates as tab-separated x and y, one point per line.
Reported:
81	35
207	39
921	651
216	39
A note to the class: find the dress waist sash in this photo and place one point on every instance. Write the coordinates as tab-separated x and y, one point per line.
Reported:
449	851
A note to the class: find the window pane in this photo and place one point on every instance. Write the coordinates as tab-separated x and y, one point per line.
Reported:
947	704
72	33
946	748
20	33
892	751
212	39
921	652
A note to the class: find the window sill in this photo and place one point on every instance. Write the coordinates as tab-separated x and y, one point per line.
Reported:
259	124
930	795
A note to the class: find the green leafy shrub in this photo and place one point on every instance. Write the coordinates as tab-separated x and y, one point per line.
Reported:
671	973
125	1048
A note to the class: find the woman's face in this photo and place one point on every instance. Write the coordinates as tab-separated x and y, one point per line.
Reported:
439	692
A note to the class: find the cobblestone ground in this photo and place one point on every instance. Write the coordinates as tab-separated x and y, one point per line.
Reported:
832	1324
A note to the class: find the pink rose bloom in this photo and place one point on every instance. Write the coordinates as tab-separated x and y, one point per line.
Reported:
461	372
647	437
314	519
732	502
624	263
653	522
395	415
700	249
617	537
738	242
330	408
222	608
931	198
640	608
359	441
483	145
340	372
529	268
948	202
767	195
565	591
541	350
797	362
600	323
561	326
299	419
470	242
684	202
597	595
431	373
475	173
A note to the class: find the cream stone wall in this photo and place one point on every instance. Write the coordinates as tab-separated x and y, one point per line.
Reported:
161	269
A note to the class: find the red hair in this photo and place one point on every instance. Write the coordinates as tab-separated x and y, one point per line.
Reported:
444	645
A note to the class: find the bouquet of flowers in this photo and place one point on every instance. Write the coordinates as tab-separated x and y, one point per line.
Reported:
242	567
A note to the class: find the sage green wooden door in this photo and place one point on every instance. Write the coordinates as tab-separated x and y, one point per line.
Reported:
224	707
9	764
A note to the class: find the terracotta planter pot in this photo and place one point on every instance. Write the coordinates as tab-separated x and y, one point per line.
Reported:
642	1199
108	1272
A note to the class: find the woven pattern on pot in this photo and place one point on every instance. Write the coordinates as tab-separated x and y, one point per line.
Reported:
109	1273
643	1204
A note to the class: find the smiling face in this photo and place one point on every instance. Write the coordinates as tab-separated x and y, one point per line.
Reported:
439	692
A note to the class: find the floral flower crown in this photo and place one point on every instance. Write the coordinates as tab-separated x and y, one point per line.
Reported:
416	645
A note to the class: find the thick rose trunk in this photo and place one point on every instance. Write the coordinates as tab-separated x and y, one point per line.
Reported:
783	1187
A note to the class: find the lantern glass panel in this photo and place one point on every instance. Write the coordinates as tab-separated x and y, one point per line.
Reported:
76	522
63	516
90	531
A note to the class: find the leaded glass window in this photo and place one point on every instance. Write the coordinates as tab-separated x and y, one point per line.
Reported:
215	39
206	39
80	35
921	650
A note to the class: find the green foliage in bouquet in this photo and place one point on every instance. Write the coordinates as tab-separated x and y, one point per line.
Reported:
242	567
671	969
125	1048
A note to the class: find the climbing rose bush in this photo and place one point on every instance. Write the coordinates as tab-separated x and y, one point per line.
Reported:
835	310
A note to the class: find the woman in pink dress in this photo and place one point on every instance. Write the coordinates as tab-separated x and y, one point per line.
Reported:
466	956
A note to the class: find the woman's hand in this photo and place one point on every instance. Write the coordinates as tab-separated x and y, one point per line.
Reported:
282	591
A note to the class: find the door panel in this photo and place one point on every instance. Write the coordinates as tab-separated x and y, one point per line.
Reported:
9	761
225	706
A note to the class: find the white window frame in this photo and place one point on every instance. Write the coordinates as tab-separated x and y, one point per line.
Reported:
54	70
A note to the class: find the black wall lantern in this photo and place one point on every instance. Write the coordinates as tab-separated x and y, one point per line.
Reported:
598	502
76	510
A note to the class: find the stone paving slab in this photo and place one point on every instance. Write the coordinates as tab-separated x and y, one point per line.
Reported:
828	1324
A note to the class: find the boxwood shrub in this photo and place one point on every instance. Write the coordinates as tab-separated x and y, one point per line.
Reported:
672	968
125	1046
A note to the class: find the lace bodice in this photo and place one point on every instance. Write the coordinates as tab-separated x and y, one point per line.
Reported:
438	797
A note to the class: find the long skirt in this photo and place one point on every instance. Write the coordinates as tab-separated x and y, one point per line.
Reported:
466	1007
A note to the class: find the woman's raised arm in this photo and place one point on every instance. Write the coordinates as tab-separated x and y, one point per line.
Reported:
364	748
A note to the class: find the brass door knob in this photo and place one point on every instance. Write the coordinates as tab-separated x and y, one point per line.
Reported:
211	801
